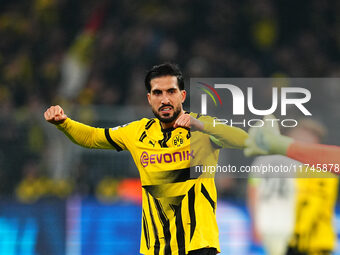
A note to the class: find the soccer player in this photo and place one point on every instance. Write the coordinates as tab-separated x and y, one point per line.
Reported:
315	197
178	215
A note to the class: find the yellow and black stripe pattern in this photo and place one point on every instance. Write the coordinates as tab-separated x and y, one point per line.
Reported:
178	207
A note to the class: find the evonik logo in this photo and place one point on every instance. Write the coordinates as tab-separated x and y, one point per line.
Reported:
146	159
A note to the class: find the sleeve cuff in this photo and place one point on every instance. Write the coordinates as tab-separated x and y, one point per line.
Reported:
62	126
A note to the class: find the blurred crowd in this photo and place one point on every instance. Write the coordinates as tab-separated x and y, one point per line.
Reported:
87	53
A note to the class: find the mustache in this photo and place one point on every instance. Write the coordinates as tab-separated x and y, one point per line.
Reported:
165	105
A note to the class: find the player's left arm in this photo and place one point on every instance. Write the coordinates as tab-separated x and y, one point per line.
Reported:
223	135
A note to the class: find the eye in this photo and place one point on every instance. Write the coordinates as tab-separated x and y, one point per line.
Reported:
172	91
156	92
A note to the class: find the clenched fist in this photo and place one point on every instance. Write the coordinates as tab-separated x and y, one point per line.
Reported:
55	115
187	121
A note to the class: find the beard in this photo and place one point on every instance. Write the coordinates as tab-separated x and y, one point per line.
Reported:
169	119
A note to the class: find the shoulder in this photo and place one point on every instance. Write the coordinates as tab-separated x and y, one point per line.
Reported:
144	123
130	125
132	129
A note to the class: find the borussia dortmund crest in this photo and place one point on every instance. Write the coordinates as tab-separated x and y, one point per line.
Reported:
178	140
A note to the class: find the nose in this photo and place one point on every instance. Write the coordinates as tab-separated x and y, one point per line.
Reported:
165	99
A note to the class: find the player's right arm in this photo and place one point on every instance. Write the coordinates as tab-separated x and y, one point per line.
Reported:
81	134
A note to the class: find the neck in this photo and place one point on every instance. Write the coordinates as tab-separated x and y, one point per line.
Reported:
170	124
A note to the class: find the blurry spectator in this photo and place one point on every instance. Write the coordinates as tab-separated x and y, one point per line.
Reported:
96	53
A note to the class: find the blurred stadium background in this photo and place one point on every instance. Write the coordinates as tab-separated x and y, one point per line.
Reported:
91	57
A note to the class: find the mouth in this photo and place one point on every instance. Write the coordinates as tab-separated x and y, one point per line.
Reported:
165	109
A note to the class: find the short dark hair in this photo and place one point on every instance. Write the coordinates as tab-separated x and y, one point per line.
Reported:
164	70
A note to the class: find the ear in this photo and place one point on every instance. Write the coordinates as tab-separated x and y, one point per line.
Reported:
184	95
149	98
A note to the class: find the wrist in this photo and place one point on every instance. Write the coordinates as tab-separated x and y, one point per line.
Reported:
63	124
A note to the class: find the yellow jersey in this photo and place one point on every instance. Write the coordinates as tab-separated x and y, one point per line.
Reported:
179	204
